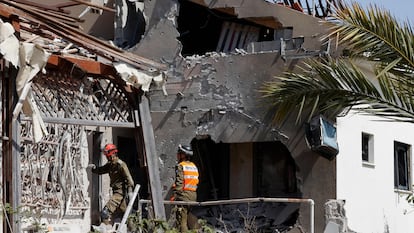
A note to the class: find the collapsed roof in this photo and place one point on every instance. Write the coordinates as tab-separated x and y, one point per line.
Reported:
53	29
36	36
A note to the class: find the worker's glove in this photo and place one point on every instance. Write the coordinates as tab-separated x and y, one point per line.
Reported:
91	166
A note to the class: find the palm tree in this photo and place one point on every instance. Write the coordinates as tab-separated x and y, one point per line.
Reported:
331	85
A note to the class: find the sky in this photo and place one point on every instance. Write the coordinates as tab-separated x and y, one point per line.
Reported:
401	9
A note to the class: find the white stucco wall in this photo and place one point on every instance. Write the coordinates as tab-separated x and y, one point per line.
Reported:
372	204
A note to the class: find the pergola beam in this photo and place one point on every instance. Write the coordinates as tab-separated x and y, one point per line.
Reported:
89	66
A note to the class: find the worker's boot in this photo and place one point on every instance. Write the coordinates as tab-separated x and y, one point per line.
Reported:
106	216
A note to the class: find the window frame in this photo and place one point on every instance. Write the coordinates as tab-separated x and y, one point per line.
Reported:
407	169
367	144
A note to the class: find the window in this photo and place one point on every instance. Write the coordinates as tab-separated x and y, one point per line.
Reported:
401	166
367	148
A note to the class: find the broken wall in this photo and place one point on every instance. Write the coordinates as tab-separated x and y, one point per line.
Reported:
216	94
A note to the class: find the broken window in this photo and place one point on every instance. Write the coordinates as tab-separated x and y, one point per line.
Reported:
205	30
275	170
129	24
266	169
367	148
246	170
401	166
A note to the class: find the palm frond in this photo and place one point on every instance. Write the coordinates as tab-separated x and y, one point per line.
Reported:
331	86
377	36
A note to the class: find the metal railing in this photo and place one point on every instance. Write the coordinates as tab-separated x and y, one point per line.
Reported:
242	201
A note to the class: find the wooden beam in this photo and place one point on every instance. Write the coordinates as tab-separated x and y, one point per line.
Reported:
88	66
66	4
152	160
93	68
6	11
43	6
84	40
59	16
70	121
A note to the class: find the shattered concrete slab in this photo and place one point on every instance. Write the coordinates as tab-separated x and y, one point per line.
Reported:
335	216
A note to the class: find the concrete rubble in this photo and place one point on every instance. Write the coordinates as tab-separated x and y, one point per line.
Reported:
202	89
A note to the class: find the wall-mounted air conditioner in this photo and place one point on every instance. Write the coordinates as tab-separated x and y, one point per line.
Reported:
321	137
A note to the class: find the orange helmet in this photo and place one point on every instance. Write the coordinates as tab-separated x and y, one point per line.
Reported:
109	150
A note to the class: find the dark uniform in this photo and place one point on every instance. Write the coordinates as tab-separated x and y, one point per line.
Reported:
182	193
185	185
121	182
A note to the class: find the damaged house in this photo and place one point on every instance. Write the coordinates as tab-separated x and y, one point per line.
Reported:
164	73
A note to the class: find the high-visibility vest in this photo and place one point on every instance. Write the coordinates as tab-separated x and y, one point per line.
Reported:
190	175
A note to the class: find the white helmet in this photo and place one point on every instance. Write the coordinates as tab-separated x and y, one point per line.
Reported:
185	149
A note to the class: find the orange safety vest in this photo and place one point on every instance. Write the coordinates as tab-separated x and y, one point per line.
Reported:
190	175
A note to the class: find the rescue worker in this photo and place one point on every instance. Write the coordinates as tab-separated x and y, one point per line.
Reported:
185	185
121	182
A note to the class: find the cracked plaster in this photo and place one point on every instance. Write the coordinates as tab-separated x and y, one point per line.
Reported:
216	93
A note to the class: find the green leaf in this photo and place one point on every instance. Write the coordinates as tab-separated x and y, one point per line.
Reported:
332	86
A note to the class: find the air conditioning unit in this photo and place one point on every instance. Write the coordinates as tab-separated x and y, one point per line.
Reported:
321	137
